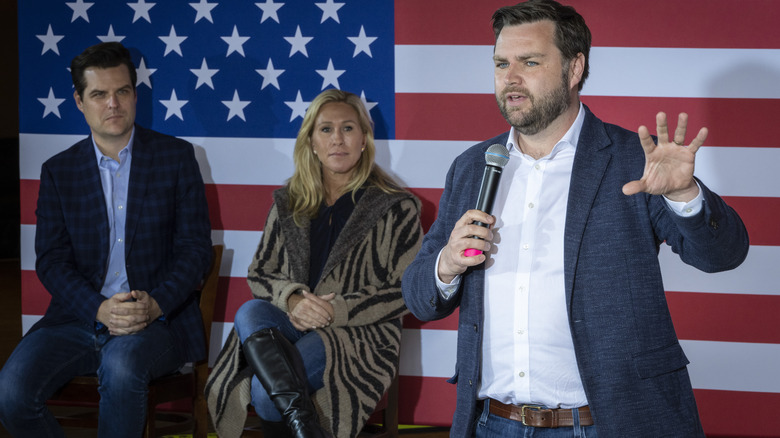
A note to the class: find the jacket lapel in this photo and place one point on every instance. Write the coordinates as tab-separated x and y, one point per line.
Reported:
590	163
87	166
143	154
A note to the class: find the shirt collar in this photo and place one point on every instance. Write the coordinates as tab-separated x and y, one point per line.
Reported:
128	148
570	139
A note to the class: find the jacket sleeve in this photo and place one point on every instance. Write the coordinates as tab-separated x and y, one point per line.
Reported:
191	229
396	240
268	275
419	283
714	240
56	263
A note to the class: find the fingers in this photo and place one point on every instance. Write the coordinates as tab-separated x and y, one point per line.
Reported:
312	312
679	131
661	129
698	141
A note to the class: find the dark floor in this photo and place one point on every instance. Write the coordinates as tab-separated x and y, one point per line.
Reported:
11	332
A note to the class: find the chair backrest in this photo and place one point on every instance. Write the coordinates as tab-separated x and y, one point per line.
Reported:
208	292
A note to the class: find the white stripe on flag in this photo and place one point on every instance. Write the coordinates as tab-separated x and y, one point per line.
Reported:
615	71
729	171
758	275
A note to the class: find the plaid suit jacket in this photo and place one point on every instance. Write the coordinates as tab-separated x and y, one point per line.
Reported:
167	235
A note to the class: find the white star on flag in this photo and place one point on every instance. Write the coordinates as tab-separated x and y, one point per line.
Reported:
369	105
173	42
203	10
298	43
236	106
51	104
173	106
50	41
141	9
269	9
362	43
144	74
270	75
204	74
79	10
330	10
235	42
298	107
111	37
330	76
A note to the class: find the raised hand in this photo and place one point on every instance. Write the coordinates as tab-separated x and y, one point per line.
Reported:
669	164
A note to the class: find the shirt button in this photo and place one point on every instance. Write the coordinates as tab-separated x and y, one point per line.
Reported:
526	246
116	273
521	332
530	205
521	374
688	210
119	240
121	207
537	167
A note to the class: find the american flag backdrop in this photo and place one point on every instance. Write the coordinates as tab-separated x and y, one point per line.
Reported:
235	77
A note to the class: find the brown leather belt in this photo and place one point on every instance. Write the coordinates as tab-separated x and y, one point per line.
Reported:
537	416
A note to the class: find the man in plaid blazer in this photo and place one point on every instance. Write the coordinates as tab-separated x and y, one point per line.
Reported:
122	241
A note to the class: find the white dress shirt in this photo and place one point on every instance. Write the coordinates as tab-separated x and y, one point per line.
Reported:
527	349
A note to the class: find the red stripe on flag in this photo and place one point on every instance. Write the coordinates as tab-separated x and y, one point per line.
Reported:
693	23
428	401
448	323
725	317
232	292
738	414
28	198
442	116
760	218
239	207
35	297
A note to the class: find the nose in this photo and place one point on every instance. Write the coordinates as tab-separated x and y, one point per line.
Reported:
338	136
512	75
113	101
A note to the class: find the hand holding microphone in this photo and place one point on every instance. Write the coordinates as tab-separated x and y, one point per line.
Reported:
496	157
459	254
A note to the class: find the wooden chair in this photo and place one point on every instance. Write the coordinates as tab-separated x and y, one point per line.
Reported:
382	424
188	383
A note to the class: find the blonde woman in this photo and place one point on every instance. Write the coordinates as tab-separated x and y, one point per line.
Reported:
319	345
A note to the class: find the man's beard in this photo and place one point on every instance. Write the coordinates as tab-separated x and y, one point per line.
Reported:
544	109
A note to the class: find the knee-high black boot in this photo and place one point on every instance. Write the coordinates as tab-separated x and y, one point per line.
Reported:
279	367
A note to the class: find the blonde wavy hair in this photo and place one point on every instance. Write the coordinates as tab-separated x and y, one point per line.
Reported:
305	188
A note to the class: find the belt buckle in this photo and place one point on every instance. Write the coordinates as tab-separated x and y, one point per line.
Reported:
522	412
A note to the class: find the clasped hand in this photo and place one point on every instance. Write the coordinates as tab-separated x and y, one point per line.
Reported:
308	311
669	164
126	313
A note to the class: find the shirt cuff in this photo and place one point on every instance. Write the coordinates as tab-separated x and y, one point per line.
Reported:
690	208
446	290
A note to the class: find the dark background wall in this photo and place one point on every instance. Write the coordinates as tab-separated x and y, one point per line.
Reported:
10	290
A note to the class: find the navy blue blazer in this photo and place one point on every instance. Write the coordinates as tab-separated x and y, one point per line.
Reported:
631	363
167	235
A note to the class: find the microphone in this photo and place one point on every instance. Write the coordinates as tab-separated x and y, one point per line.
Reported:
496	158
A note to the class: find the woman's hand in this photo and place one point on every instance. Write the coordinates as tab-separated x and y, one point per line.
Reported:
310	312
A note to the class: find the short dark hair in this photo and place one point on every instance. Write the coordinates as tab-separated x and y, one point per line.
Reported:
103	55
572	35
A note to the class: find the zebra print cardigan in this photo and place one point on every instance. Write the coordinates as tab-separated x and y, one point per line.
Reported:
362	345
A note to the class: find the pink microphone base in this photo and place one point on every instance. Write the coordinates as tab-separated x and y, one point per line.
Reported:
471	252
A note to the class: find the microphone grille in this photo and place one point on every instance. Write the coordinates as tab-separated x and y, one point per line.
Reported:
497	155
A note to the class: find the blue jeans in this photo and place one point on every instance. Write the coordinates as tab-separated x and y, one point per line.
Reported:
256	315
49	357
493	426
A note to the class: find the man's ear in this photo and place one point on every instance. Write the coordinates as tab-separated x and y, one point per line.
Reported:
79	102
576	69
